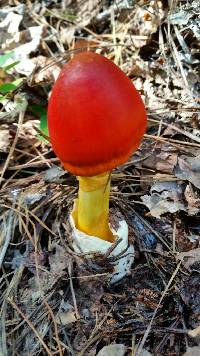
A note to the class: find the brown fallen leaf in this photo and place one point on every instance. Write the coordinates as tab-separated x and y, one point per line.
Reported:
188	168
113	350
66	314
189	290
58	261
189	257
192	199
194	333
192	351
165	197
4	140
146	20
9	26
46	70
24	43
163	157
87	11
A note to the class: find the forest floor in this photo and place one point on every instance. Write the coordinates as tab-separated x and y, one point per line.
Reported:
51	302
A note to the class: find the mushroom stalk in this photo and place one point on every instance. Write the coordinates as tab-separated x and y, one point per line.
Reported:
92	212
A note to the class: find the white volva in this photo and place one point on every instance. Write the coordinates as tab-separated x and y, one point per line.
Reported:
124	253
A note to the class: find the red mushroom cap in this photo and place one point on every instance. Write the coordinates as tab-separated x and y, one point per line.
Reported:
96	117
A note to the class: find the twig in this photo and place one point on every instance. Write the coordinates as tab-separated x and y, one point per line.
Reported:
94	337
55	327
21	117
30	325
3	312
181	131
140	348
8	231
31	213
175	143
72	290
90	342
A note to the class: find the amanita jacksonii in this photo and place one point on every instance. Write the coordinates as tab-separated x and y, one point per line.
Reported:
96	120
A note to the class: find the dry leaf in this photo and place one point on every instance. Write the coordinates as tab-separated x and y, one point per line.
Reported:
24	43
13	108
58	261
65	318
192	200
11	23
22	52
47	69
180	17
87	11
192	351
66	314
145	353
149	18
163	158
189	290
113	350
189	257
67	35
166	197
11	19
4	140
188	168
54	174
195	332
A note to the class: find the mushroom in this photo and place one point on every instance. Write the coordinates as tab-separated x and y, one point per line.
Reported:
96	120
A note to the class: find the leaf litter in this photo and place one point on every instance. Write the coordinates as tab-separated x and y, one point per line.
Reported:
52	301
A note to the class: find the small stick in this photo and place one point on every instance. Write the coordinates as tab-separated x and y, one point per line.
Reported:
30	325
8	231
20	121
72	290
140	348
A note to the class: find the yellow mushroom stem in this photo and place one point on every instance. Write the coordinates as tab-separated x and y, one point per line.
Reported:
92	208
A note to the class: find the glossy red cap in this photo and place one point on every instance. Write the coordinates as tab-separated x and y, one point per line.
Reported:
96	117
